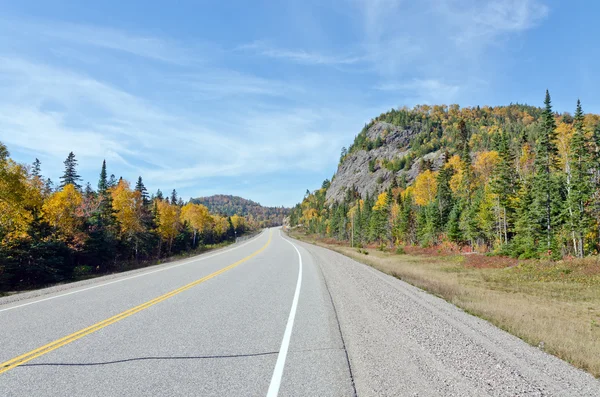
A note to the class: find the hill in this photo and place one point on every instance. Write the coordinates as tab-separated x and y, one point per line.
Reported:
516	179
234	205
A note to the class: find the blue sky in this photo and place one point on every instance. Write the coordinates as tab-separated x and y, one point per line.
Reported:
257	98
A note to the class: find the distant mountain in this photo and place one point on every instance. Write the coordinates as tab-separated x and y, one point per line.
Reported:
234	205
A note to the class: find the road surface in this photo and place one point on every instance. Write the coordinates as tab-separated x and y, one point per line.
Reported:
270	316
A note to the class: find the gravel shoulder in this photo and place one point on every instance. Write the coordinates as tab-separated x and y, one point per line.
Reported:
404	341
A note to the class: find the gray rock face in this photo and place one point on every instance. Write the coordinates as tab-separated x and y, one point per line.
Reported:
354	170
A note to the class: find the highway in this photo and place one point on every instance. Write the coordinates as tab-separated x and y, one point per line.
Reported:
266	317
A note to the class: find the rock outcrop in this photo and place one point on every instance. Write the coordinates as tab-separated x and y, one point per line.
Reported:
354	170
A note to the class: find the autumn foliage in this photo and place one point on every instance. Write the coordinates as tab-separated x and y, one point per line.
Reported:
516	180
49	235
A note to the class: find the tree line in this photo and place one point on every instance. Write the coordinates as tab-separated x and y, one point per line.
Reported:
515	180
54	233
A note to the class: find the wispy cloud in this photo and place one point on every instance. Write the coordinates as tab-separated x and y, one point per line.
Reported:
429	90
479	22
140	45
299	56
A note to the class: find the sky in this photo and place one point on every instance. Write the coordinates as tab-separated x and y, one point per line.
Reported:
257	98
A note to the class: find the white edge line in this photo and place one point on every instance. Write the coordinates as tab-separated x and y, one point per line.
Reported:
285	343
130	277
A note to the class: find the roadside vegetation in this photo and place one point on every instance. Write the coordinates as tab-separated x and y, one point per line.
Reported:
57	233
553	305
513	180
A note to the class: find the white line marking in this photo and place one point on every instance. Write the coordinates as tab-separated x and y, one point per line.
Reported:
130	277
285	343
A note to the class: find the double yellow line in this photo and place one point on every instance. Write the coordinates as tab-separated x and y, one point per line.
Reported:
22	359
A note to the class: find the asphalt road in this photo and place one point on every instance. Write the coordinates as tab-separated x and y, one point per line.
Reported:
265	317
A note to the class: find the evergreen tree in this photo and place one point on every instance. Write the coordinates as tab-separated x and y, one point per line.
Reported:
88	192
505	185
103	181
546	201
580	184
453	226
112	181
36	169
70	176
444	198
139	186
49	185
174	197
159	194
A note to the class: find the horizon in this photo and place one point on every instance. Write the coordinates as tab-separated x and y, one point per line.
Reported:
262	110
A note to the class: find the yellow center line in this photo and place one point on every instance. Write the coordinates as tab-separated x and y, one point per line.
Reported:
22	359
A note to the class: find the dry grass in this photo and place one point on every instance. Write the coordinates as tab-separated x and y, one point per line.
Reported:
555	305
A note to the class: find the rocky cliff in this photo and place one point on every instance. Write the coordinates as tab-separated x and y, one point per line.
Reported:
372	171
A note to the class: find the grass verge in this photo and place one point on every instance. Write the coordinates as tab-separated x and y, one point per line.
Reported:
552	305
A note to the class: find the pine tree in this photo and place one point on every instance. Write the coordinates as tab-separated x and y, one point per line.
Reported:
159	194
139	186
103	181
36	169
595	207
174	197
49	185
505	185
580	184
112	181
70	176
89	192
545	205
444	198
453	226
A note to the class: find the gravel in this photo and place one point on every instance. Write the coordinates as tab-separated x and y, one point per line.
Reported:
402	341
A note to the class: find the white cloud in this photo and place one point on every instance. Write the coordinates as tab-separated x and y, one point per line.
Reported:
140	45
426	91
299	56
480	22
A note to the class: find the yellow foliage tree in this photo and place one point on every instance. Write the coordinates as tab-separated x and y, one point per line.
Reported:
168	221
61	212
127	205
220	225
485	164
17	195
382	201
425	187
564	133
198	217
238	222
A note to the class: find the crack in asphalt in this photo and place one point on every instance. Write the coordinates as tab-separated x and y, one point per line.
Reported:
171	358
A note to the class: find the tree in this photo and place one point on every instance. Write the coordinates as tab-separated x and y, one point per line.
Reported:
112	181
139	186
36	169
127	205
425	188
546	203
580	186
103	181
70	176
444	198
61	213
16	193
198	217
174	197
505	185
168	221
378	224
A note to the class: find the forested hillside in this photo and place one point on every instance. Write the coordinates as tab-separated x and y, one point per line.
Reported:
230	205
53	233
516	180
